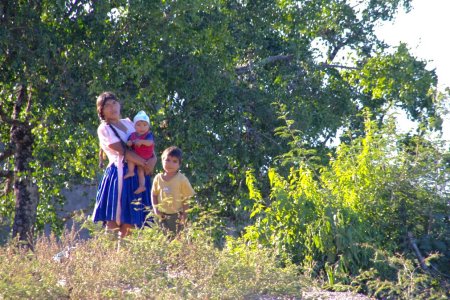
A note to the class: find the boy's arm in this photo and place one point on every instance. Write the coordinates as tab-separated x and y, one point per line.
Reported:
183	212
188	193
185	206
155	203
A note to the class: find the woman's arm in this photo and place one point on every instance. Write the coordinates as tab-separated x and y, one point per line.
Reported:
130	154
148	165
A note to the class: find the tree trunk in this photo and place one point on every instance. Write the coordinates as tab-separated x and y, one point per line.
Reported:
24	189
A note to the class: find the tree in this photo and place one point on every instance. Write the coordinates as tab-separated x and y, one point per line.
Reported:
44	98
217	78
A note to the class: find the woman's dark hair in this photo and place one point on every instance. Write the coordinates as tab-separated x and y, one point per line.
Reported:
101	101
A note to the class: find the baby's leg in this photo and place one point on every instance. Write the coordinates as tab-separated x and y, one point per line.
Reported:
130	172
141	177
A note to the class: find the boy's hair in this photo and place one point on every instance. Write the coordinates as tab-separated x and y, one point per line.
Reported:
172	151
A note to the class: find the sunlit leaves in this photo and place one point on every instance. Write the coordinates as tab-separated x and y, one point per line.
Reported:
374	191
397	79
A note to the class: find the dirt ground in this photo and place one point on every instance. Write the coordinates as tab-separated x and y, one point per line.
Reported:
326	295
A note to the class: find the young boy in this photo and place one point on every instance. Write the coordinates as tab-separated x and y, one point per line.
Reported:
171	191
142	142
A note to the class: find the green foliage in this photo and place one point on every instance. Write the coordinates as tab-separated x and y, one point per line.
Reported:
397	277
386	78
373	193
217	78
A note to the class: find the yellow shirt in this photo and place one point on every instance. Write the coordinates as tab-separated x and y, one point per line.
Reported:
172	194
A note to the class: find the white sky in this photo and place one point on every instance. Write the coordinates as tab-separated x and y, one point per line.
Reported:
425	30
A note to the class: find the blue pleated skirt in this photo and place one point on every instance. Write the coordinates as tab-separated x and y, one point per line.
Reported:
134	208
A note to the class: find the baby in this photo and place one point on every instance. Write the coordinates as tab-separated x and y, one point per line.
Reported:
143	144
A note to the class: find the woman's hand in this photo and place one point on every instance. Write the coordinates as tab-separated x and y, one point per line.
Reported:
148	168
149	165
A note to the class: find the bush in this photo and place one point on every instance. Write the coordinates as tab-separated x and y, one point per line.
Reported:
375	194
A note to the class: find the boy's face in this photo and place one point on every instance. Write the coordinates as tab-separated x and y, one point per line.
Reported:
141	127
171	164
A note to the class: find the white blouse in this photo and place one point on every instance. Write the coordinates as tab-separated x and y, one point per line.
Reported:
107	137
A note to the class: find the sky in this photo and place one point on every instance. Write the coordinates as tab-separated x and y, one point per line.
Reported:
424	29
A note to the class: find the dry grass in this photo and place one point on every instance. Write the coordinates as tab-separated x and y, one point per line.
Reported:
145	266
148	265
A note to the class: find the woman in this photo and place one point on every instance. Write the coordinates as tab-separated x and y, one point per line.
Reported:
116	203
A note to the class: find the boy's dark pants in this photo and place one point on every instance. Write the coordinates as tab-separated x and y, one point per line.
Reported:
171	223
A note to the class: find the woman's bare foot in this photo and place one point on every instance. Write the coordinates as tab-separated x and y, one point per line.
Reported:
128	175
140	190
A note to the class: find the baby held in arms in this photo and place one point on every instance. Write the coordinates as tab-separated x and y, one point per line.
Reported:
142	142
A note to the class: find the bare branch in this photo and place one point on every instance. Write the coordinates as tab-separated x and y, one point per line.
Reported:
335	52
325	65
412	243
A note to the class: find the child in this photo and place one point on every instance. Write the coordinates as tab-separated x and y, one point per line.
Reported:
171	191
142	142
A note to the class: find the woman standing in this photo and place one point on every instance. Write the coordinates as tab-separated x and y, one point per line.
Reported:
116	204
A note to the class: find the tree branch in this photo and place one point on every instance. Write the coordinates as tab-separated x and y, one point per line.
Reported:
269	60
73	6
325	65
28	108
19	101
6	173
272	59
413	244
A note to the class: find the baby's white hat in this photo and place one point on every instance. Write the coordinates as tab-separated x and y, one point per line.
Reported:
141	116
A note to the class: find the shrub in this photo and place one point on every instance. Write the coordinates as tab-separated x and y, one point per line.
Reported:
375	194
